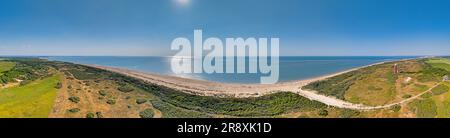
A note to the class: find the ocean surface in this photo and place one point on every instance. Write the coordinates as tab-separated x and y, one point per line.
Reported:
290	68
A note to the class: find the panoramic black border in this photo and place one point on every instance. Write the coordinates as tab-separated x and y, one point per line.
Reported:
280	126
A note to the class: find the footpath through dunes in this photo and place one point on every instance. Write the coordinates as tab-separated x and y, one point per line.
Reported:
207	88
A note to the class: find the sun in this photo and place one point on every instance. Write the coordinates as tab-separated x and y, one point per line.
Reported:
183	2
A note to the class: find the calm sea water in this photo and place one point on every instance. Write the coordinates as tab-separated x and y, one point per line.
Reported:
291	68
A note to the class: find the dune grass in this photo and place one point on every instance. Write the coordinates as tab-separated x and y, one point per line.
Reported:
34	100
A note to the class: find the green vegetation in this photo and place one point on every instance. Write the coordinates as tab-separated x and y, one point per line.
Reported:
82	74
26	70
58	85
102	93
147	113
74	99
99	114
440	89
34	100
5	66
347	113
74	110
426	95
442	63
141	101
406	96
268	105
396	108
111	101
431	72
336	86
373	85
376	85
125	88
170	111
90	115
323	113
425	108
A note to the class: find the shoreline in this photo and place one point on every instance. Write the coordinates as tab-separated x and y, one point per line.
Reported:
217	89
211	88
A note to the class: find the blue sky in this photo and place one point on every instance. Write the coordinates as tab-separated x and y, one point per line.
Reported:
147	27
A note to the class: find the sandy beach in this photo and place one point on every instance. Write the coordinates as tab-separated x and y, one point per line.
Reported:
208	88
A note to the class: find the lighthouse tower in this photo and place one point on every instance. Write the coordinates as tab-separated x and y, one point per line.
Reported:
395	69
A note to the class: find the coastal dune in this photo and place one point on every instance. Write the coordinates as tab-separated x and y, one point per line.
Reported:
208	88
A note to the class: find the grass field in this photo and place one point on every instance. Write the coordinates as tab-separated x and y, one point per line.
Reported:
443	103
34	100
442	63
5	66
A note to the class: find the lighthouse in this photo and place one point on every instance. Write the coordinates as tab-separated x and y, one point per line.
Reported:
395	69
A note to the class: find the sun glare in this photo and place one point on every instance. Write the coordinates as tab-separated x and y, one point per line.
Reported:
183	2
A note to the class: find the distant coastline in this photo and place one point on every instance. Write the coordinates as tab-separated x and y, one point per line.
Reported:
292	68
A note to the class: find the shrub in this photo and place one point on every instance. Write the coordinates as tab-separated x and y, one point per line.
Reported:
406	96
147	113
396	108
90	115
74	99
347	113
102	92
125	88
99	114
74	110
426	95
58	85
141	101
111	102
323	113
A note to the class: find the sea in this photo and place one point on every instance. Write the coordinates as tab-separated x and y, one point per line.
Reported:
290	67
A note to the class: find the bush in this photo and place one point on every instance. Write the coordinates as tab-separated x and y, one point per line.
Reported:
396	108
147	113
74	110
90	115
102	92
99	115
427	95
141	101
111	102
58	85
406	96
125	88
74	99
347	113
323	113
